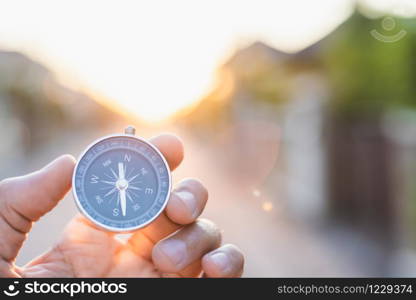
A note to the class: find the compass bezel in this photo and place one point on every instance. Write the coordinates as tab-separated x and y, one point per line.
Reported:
112	228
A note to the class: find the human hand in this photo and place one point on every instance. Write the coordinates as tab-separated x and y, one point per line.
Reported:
176	244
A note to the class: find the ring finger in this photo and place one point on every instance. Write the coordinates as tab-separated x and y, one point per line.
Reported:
186	247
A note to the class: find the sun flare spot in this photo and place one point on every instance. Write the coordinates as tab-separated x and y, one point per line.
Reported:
267	206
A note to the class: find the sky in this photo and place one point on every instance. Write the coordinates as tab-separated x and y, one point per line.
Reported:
153	58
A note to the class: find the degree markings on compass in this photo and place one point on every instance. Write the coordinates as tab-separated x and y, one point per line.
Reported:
131	179
112	197
134	194
148	191
128	175
111	192
107	163
108	182
129	197
108	176
99	199
106	187
94	179
143	171
135	182
114	173
135	187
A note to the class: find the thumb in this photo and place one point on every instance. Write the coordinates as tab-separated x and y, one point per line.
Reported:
35	194
27	198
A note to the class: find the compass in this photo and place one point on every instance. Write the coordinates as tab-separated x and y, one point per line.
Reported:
121	182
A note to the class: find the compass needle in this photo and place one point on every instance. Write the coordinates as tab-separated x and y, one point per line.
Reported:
120	171
123	202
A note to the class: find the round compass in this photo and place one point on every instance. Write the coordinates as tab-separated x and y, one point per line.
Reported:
121	182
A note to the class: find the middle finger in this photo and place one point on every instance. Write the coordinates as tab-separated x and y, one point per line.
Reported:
186	246
186	203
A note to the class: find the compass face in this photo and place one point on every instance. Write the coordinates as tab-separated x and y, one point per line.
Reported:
121	183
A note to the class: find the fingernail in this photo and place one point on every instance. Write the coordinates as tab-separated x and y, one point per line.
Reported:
174	250
189	200
221	261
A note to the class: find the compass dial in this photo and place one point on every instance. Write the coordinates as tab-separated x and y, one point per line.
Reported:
121	183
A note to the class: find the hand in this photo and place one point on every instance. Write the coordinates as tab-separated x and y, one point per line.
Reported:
175	244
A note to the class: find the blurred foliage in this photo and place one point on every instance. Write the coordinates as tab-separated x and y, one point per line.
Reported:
267	74
260	71
368	76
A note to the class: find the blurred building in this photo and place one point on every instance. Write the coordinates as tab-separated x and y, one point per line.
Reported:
339	162
36	110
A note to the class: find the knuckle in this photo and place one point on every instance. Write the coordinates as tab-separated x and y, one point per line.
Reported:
211	229
8	212
170	255
6	194
12	240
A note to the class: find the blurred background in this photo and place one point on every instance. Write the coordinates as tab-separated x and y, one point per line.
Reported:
299	116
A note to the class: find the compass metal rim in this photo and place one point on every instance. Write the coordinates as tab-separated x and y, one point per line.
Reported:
111	228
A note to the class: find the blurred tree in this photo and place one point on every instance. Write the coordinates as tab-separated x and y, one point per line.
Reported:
369	76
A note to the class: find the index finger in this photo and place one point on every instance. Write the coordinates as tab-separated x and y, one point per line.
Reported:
171	147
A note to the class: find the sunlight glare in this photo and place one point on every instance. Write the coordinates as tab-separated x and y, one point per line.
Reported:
153	58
